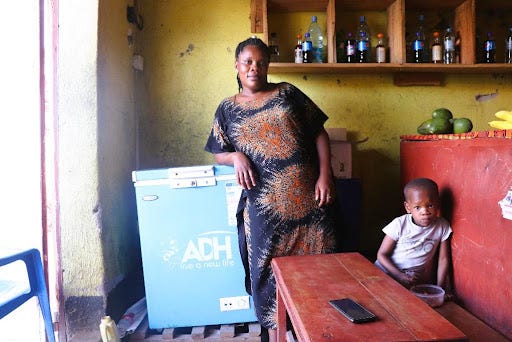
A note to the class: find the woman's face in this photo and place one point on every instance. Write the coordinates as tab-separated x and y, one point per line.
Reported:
252	67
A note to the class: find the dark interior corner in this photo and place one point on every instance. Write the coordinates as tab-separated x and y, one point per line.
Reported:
125	294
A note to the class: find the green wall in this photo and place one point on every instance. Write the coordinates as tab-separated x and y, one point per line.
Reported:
188	49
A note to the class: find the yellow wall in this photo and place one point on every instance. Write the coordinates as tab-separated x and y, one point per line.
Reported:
116	142
97	147
77	154
188	47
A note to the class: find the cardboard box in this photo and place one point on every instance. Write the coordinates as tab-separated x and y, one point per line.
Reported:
341	159
337	134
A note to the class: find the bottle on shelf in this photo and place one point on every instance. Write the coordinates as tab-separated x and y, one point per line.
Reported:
420	42
489	49
317	39
508	46
340	46
418	48
350	49
457	47
298	50
363	41
437	49
449	46
380	49
307	49
273	46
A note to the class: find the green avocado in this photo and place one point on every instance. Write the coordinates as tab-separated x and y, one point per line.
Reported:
462	125
435	126
442	113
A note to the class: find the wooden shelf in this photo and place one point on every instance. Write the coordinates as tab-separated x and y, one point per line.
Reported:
296	5
464	15
361	68
365	5
321	5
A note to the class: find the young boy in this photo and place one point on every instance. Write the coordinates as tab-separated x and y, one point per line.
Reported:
413	240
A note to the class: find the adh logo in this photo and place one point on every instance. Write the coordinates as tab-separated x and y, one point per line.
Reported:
210	246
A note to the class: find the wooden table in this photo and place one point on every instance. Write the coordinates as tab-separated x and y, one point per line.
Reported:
305	284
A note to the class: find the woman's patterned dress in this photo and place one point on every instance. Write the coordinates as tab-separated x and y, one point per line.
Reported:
280	215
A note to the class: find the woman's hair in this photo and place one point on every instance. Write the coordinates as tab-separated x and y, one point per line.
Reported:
253	41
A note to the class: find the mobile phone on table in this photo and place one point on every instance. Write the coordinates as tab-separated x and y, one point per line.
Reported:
354	311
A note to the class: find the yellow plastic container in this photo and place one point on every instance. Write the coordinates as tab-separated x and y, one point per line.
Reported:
108	330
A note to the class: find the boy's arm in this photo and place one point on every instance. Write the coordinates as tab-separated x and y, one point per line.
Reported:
384	257
443	264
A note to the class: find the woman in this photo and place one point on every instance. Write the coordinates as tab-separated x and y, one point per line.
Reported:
273	135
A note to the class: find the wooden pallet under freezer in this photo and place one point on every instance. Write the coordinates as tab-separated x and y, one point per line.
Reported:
249	332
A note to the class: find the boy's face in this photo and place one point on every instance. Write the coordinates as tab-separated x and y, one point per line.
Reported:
423	205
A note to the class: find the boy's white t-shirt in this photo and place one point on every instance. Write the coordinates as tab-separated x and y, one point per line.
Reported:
416	246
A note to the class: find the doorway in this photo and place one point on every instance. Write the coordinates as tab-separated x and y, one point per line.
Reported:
21	148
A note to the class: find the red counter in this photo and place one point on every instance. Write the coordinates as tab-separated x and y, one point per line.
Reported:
474	172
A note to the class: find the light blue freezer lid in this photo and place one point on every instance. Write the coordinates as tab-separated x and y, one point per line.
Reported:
182	172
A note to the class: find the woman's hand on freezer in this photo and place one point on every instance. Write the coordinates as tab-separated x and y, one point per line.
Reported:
243	170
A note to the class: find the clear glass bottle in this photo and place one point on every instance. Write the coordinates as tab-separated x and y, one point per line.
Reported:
380	49
298	50
273	45
437	49
363	41
317	40
508	46
489	49
449	46
307	49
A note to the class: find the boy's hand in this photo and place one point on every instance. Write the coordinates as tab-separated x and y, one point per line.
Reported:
408	278
448	297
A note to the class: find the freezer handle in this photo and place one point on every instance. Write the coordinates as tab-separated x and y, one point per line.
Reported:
191	172
192	182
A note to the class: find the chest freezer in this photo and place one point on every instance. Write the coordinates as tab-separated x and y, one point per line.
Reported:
193	272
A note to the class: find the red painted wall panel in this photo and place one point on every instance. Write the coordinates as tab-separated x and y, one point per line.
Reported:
473	175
